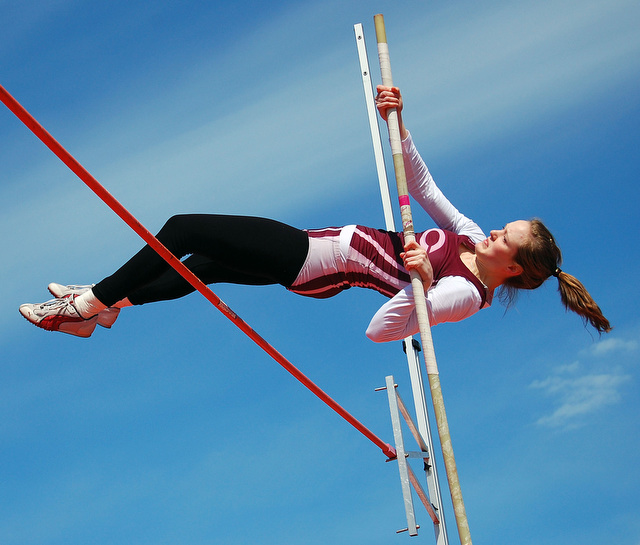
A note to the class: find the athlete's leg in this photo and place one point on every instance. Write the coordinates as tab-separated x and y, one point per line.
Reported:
235	249
171	285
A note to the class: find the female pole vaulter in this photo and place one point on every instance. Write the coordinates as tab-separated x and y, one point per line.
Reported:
459	265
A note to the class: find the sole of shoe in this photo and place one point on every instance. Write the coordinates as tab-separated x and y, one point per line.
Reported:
83	328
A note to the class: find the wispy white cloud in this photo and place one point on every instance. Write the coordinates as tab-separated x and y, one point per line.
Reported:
580	395
581	389
608	346
504	66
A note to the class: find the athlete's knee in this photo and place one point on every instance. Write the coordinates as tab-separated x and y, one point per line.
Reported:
175	224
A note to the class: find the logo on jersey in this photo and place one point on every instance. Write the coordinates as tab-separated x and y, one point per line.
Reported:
432	240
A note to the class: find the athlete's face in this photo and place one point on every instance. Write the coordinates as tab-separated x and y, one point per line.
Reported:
498	251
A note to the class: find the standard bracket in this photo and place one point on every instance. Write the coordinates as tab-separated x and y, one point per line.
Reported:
407	476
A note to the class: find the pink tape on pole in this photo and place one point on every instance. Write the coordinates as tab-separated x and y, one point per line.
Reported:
93	184
404	200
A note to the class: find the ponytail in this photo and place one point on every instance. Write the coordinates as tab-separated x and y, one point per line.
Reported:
540	258
575	297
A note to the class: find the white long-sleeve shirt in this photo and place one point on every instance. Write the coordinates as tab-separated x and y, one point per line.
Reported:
452	298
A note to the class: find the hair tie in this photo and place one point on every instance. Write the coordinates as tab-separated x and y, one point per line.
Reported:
557	272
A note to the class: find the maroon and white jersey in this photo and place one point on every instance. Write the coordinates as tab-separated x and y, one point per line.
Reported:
344	257
373	261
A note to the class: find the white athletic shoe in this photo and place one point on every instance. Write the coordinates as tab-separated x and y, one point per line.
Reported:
106	318
59	315
59	290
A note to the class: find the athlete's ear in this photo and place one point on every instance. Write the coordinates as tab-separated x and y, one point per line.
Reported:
515	269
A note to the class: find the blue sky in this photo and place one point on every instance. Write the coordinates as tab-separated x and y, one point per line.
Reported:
172	427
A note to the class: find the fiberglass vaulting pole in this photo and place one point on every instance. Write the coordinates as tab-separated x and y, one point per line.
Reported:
411	346
419	295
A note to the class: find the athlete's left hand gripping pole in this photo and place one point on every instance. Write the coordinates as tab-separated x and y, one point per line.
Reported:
172	260
419	295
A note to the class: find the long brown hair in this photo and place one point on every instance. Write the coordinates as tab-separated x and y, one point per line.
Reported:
540	258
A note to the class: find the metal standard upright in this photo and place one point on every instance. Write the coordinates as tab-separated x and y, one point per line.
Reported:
407	476
411	345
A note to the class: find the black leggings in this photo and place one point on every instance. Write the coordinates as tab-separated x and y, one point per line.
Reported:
233	249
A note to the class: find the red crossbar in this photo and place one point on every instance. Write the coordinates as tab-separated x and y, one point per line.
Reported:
172	260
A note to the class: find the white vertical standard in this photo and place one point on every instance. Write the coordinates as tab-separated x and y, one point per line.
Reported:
401	456
411	346
397	407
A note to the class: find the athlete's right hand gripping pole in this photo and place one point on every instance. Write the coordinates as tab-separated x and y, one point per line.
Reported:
419	295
